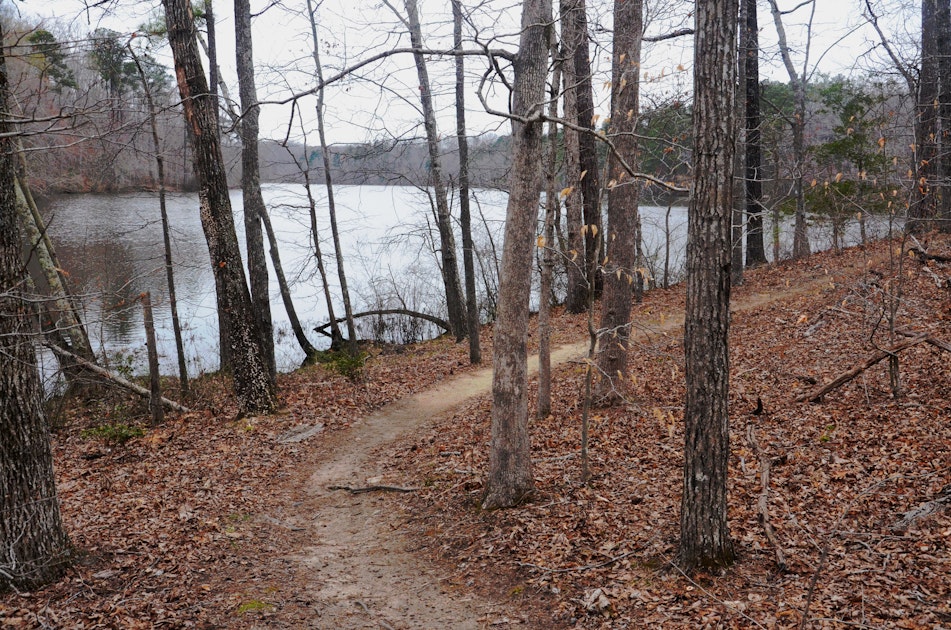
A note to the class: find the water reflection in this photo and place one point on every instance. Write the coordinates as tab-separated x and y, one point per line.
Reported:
111	247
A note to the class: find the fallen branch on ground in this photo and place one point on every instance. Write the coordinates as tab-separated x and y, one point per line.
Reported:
762	504
923	256
115	378
586	567
871	360
366	489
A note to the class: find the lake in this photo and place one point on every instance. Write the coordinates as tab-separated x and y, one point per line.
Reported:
111	246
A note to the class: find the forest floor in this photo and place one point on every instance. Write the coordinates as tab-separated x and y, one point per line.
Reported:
297	520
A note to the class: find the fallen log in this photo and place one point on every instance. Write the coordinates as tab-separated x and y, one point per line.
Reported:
322	329
871	360
923	256
114	378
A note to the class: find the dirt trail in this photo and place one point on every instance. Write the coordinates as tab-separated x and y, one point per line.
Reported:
361	572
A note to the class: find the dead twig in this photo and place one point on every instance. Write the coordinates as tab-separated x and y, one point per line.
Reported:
869	361
762	504
586	567
365	489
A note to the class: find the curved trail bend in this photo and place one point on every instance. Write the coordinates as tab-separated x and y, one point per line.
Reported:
360	571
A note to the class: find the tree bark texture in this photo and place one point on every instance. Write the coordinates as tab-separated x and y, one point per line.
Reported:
576	300
252	382
620	266
753	179
546	251
587	144
34	548
509	479
704	533
455	305
465	214
924	206
943	51
254	208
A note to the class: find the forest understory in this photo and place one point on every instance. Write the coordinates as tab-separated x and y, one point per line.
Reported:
200	522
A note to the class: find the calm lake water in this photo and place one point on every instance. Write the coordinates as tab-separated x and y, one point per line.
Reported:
111	246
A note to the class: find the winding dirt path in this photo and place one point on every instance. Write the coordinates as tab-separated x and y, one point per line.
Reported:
360	570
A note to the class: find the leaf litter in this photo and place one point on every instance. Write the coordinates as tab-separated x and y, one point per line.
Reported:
198	522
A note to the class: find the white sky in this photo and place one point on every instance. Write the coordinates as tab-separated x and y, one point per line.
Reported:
381	102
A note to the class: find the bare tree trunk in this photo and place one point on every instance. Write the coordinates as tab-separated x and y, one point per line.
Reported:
739	201
252	380
576	300
310	352
509	480
155	378
336	338
166	237
943	52
465	215
753	180
798	83
211	51
546	251
587	144
254	209
620	271
924	208
704	532
34	548
447	241
328	180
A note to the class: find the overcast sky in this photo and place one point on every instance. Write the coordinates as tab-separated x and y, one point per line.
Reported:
381	101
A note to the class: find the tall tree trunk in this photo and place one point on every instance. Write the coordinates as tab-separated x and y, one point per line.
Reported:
620	270
447	241
509	480
704	533
753	178
328	181
211	51
546	251
310	352
924	207
252	379
33	544
587	144
336	338
166	238
254	209
576	300
798	83
465	215
943	51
